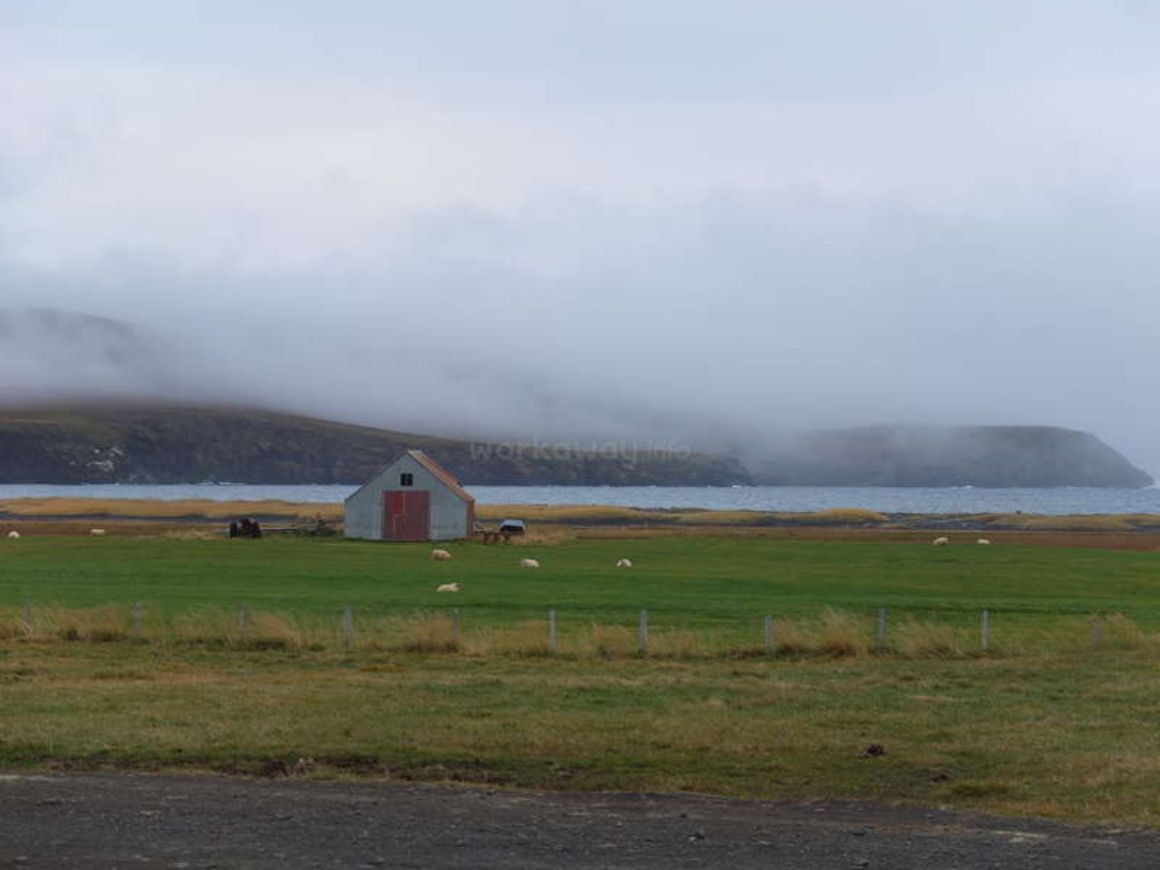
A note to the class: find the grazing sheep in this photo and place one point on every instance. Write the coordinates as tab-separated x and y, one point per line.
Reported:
14	534
448	587
623	563
97	532
984	541
941	542
440	556
529	563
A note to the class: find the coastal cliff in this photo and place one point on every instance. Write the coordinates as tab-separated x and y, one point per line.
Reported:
987	456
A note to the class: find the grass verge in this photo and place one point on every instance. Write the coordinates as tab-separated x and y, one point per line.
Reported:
1058	735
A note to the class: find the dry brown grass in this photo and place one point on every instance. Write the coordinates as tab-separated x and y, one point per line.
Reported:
211	627
191	534
843	634
840	516
565	513
833	634
924	639
718	518
529	638
549	535
1072	523
176	509
681	644
635	517
95	625
257	630
274	631
14	627
605	642
429	633
830	634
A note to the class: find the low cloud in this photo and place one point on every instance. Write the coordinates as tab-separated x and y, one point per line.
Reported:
645	247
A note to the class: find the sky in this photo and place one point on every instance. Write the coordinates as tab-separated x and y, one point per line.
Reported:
542	220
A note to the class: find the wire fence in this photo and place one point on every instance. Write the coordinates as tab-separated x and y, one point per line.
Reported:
830	633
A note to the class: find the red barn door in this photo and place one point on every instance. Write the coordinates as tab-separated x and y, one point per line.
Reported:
406	515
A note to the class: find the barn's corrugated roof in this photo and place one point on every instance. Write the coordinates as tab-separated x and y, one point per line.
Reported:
441	473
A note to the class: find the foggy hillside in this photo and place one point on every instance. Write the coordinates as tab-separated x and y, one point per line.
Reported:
689	226
984	456
93	366
60	356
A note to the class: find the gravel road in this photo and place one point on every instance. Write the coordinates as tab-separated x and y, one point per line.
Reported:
153	821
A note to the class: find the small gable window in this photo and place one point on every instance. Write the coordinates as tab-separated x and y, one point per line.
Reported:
406	479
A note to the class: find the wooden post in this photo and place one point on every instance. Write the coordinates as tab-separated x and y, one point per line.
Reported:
642	634
552	631
881	639
985	632
243	625
27	616
769	634
455	628
347	629
1097	632
137	621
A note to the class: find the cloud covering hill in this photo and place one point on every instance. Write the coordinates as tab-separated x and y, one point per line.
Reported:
538	219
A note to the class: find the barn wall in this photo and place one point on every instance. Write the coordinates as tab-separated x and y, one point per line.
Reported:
364	509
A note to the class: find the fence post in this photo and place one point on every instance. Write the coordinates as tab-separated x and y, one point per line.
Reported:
243	624
552	630
642	634
137	620
881	639
1097	632
769	634
455	628
26	615
985	632
347	629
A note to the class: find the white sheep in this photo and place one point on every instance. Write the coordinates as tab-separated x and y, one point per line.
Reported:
440	556
941	542
529	563
983	541
623	563
448	587
14	534
97	532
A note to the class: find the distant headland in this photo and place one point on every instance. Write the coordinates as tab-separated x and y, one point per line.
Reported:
153	444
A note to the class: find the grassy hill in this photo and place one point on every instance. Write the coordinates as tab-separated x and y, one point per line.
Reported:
147	443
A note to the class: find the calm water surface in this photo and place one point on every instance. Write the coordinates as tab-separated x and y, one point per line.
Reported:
1064	500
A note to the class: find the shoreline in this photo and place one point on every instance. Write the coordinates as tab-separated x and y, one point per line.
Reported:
66	516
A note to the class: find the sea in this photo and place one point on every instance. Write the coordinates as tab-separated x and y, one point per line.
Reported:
926	500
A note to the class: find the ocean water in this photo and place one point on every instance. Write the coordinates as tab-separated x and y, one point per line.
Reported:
933	500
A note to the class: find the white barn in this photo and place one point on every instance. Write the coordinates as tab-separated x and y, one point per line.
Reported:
413	498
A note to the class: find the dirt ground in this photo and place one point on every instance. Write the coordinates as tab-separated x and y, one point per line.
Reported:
155	821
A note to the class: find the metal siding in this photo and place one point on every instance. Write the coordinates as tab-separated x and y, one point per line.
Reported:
449	514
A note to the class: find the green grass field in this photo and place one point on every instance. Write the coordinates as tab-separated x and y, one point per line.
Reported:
686	582
1044	724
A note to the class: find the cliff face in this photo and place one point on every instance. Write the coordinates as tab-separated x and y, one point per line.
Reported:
994	456
186	445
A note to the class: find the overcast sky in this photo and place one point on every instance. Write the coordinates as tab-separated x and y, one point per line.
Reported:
659	220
